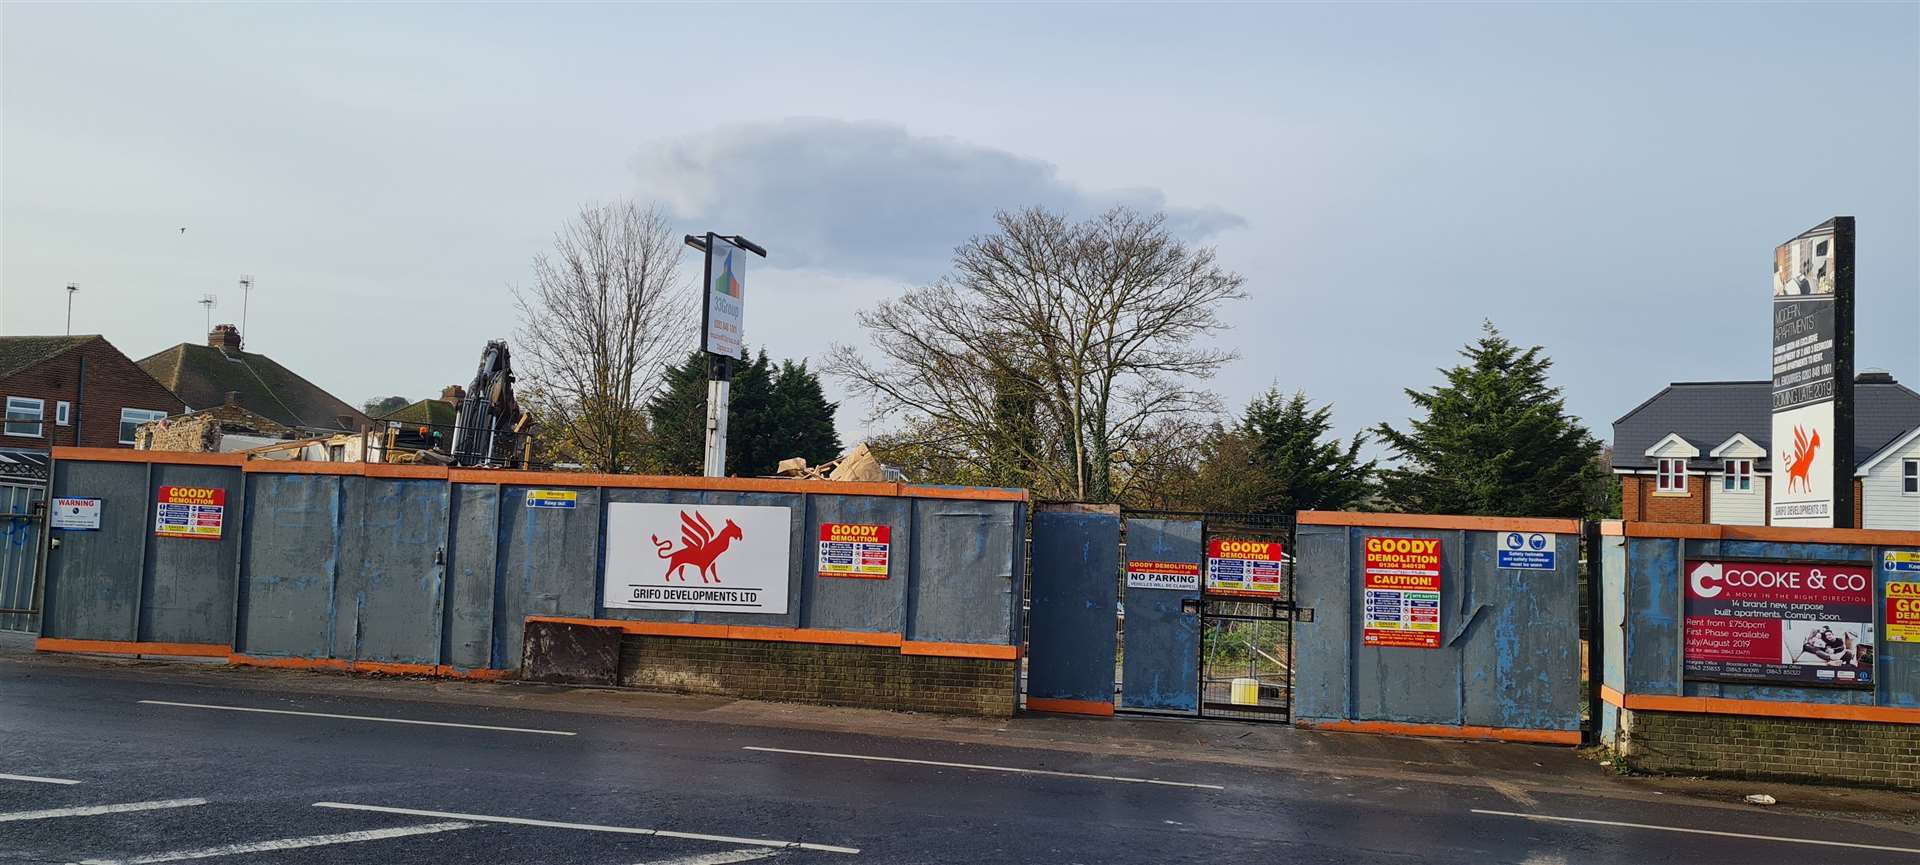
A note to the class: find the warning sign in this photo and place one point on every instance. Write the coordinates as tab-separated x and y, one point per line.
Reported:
855	550
1903	561
562	499
76	514
1183	576
190	512
1903	612
1240	567
1528	551
1401	579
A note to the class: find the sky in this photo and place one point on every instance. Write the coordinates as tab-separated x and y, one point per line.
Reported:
1607	181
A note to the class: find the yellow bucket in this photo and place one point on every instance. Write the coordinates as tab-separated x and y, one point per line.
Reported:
1246	692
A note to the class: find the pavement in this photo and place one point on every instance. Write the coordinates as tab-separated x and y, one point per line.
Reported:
105	760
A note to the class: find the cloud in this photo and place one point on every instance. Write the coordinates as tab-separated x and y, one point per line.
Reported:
868	198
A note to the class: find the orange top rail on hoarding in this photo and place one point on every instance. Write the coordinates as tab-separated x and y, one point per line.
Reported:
543	478
1443	522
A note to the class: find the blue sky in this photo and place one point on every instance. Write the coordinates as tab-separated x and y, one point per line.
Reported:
1606	180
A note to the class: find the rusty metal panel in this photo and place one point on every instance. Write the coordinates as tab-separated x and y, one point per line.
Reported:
387	603
548	562
289	565
92	589
1323	647
188	588
965	566
1520	658
851	604
472	562
1423	686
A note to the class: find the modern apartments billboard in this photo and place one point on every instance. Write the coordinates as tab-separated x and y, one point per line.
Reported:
1812	447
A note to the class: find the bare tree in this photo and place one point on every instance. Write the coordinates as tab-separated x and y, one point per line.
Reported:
1058	346
608	309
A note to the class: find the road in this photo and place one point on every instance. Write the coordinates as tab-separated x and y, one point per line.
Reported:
170	770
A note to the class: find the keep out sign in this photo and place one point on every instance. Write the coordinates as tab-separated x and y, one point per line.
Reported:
1804	624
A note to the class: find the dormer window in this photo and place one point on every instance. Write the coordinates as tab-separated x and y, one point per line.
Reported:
1738	476
1672	476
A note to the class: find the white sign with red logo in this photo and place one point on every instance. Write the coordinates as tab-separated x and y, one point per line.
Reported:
715	558
1803	466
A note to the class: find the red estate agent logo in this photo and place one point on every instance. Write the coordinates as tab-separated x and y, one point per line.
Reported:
699	547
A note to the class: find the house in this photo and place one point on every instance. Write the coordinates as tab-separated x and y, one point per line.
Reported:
224	428
1697	453
219	372
426	423
75	390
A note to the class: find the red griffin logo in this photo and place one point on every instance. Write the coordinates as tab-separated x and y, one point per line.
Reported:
1804	447
700	545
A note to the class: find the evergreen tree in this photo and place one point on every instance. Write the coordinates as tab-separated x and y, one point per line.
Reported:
773	412
1299	464
1496	441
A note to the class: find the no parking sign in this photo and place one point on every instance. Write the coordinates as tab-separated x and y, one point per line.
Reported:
1528	551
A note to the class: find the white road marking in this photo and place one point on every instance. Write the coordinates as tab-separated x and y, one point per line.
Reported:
715	858
35	779
95	810
588	827
1781	839
284	844
357	718
986	768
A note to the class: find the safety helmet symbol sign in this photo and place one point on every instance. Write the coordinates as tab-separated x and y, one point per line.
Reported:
1533	551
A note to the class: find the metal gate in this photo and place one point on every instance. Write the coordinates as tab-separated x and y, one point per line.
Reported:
1224	647
22	508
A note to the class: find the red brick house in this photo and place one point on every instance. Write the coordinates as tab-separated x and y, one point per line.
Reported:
75	390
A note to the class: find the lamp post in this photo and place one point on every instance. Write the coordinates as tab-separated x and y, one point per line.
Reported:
72	289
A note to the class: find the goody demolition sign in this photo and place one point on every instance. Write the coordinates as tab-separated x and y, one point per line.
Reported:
855	550
1794	623
1180	576
1243	567
1401	582
728	559
190	512
1903	612
1528	551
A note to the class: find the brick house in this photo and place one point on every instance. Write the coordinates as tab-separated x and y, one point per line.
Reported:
1697	453
221	374
75	390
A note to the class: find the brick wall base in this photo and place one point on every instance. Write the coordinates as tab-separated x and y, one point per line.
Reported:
1861	753
875	677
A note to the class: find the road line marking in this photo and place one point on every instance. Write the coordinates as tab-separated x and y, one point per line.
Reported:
357	718
715	858
986	768
95	810
1779	838
1512	791
35	779
587	827
284	844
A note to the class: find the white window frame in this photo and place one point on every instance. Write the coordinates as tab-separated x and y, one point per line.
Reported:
1738	476
63	413
1670	475
1910	477
39	422
146	415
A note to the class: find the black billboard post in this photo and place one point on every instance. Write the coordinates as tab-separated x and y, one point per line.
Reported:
1812	430
722	313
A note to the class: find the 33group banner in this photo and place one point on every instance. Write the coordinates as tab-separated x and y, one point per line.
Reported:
1801	624
1401	584
727	559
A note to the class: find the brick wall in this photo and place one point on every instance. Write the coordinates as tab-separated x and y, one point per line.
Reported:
1861	753
1638	501
875	677
113	382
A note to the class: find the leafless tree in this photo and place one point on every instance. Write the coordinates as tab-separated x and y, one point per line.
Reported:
609	307
1056	345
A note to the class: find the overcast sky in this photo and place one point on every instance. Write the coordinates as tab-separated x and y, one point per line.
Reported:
1608	181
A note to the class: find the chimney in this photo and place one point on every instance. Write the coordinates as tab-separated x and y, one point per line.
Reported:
225	337
453	393
1874	376
233	399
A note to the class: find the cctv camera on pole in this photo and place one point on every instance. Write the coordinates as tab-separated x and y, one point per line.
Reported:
724	288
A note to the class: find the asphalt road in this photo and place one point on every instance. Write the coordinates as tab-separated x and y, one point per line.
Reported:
159	782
